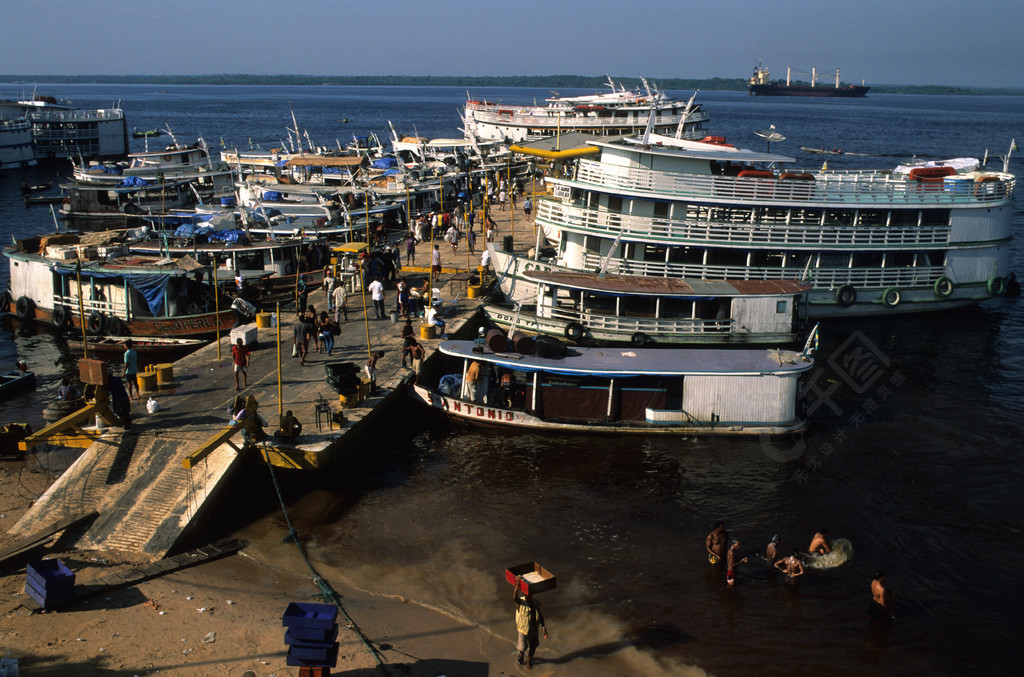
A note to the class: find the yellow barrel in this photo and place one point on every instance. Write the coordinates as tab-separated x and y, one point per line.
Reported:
264	320
427	331
348	401
164	374
147	382
472	291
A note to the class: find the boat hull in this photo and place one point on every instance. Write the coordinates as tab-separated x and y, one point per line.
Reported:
850	91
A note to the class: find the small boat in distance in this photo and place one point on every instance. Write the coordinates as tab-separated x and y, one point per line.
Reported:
698	391
16	381
146	133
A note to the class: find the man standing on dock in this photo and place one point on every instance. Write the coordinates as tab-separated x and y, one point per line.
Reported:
131	369
376	289
240	356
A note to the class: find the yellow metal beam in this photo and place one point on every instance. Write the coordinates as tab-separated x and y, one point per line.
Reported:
207	447
54	433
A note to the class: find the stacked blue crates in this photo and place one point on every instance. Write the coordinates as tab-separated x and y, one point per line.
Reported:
311	635
50	583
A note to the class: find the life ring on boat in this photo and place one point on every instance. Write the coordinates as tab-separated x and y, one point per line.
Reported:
130	208
996	285
25	308
61	317
796	176
891	297
640	339
943	287
574	331
846	295
95	324
289	268
115	326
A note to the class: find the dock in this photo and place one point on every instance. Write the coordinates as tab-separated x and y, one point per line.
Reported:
138	480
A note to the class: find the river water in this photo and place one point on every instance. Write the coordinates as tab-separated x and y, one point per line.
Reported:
914	456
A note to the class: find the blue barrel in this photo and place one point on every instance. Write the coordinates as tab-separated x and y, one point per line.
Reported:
228	202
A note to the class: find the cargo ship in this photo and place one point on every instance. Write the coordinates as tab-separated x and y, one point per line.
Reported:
760	85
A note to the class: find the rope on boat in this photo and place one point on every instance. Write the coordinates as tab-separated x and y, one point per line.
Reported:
327	593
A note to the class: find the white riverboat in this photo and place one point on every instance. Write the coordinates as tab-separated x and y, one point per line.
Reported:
191	162
59	130
869	241
697	391
589	308
614	113
16	144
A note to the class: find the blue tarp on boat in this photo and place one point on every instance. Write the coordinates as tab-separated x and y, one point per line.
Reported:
384	163
228	236
151	287
272	195
132	182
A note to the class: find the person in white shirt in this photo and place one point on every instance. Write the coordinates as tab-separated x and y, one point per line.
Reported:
376	289
485	262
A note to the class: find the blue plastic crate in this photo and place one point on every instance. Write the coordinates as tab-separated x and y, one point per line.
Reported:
49	599
308	615
50	574
310	635
313	658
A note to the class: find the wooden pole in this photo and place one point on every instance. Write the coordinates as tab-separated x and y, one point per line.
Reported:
81	309
216	309
280	401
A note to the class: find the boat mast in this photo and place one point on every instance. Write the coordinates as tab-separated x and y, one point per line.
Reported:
814	75
788	69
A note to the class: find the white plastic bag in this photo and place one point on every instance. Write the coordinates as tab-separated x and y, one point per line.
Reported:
152	406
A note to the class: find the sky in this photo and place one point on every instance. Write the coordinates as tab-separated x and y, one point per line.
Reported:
974	43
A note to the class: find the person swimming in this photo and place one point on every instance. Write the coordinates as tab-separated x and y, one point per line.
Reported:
819	544
791	566
772	551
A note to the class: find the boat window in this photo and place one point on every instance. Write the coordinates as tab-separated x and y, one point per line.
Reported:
599	303
654	252
781	307
593	200
838	217
661	210
900	259
638	306
935	217
727	257
676	308
805	217
871	217
615	204
763	259
904	218
691	255
867	259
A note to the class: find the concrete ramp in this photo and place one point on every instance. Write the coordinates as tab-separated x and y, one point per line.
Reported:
136	482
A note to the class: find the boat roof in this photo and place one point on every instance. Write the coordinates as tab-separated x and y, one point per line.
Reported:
632	362
672	147
324	161
665	286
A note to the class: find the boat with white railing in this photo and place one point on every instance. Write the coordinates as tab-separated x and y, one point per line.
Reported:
16	144
647	391
590	308
869	242
175	161
614	113
59	130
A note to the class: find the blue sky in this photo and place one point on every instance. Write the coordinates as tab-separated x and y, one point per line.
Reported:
947	42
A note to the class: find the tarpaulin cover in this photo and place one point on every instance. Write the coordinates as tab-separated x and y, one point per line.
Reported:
150	286
272	195
228	236
384	163
191	230
335	170
132	182
392	172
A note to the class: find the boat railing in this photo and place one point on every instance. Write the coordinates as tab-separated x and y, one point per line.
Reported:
837	189
552	116
92	305
827	278
649	325
582	219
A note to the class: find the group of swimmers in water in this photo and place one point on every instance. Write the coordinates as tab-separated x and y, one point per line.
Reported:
792	566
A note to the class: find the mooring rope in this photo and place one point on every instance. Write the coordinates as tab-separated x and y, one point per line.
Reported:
327	593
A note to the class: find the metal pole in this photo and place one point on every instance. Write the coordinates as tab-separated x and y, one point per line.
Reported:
511	201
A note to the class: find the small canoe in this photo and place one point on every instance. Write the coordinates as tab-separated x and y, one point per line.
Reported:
14	382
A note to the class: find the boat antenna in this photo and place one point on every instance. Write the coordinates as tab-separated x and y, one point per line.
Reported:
607	258
169	133
1006	160
646	140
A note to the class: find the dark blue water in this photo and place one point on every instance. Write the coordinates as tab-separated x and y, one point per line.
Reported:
915	457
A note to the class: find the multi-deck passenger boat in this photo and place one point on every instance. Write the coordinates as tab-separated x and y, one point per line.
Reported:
869	242
614	113
16	144
59	130
697	391
589	308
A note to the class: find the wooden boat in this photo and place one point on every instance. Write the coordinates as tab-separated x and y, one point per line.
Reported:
591	308
696	391
56	281
821	151
16	381
150	349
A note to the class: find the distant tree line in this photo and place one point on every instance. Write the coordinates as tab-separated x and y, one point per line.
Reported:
536	81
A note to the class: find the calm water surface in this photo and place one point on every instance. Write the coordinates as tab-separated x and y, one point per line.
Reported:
915	457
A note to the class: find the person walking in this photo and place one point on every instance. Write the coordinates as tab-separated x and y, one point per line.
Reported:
340	297
414	351
376	289
502	199
527	207
327	328
529	622
452	236
303	293
435	262
240	356
471	240
410	248
131	369
329	282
